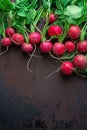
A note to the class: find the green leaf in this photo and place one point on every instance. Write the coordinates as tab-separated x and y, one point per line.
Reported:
58	12
1	30
31	15
22	12
65	2
73	11
84	11
6	5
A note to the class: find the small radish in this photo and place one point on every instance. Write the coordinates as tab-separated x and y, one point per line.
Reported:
54	30
34	37
58	48
67	68
80	61
74	32
18	38
82	46
26	47
52	18
46	46
9	31
70	46
6	41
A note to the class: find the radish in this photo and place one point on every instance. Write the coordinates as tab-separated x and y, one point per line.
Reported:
46	46
6	41
9	31
82	46
54	30
67	68
74	31
34	37
26	47
18	38
80	61
58	49
52	18
70	46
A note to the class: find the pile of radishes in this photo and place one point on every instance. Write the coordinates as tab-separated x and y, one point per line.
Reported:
71	52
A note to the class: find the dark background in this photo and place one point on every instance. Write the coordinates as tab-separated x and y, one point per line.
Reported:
28	101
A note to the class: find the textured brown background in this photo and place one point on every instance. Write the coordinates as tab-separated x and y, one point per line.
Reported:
30	102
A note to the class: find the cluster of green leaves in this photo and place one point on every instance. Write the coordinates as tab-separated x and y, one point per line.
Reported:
74	10
6	5
27	12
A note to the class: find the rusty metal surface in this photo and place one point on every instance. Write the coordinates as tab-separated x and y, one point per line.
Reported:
30	102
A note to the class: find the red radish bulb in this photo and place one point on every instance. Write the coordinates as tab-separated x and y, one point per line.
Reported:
34	37
6	41
52	18
58	48
54	30
67	68
74	31
9	31
70	46
82	46
18	38
46	46
80	61
27	47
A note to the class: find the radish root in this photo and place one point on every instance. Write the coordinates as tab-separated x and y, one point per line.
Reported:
3	52
28	63
53	73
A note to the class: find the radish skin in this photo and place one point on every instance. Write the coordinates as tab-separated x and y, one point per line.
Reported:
26	47
52	18
82	46
46	46
18	39
6	41
54	30
70	46
58	49
80	61
34	37
74	32
9	31
67	68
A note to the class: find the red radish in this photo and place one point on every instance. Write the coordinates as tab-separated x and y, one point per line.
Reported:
46	46
52	18
67	68
18	38
54	30
6	41
74	31
70	46
27	47
58	48
82	46
9	31
80	61
34	37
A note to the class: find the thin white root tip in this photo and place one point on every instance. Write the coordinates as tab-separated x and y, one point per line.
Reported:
53	73
40	57
4	51
28	68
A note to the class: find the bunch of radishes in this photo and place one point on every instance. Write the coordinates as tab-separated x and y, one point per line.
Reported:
13	37
78	63
60	50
